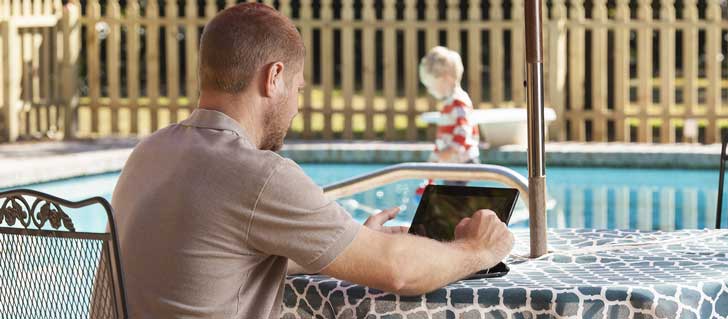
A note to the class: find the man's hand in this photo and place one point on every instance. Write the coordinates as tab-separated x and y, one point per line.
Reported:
376	222
486	235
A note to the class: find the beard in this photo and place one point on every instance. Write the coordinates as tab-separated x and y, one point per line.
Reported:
275	128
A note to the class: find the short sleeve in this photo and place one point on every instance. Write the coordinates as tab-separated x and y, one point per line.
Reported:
293	218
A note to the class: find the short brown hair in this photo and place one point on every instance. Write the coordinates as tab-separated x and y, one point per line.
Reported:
241	39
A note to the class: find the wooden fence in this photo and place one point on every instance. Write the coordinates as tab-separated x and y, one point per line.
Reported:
619	71
31	60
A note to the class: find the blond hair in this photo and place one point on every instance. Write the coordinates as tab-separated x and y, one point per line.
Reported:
441	61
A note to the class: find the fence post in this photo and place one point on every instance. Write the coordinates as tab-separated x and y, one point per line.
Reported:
644	69
11	84
93	62
326	47
368	53
71	33
667	69
410	61
389	15
621	70
599	72
453	27
577	73
132	63
171	61
305	18
557	68
690	53
474	70
495	46
518	61
191	39
152	57
113	56
431	40
347	65
4	9
712	68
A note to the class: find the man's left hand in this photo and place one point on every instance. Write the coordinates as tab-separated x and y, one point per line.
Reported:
376	222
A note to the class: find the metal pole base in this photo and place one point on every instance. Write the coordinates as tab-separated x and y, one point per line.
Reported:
537	218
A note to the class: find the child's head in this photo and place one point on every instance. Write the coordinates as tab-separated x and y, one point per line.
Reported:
441	70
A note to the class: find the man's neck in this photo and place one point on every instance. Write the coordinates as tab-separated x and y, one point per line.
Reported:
231	105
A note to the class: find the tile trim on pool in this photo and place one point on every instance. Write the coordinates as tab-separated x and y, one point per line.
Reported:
557	154
29	163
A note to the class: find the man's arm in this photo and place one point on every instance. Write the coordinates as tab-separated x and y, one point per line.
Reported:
375	222
412	265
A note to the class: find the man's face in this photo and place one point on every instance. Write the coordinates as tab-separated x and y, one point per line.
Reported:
279	116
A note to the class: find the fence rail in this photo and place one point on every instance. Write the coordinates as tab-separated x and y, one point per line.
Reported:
619	71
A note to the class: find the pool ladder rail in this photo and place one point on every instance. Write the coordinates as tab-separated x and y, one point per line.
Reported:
460	172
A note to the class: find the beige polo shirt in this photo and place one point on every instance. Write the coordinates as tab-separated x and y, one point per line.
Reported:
207	222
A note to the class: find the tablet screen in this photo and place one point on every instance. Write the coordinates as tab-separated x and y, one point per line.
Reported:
442	208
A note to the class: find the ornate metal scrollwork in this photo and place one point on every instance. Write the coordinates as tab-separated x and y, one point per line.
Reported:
16	209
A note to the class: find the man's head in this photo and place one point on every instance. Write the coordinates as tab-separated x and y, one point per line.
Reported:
253	50
441	71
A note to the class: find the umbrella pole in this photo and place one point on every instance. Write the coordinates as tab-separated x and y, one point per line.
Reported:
536	165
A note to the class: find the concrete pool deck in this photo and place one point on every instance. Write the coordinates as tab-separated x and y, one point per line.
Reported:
28	163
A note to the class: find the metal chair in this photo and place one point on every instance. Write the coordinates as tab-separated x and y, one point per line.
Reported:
50	270
723	159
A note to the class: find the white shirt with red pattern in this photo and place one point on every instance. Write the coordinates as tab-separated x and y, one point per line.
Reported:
456	130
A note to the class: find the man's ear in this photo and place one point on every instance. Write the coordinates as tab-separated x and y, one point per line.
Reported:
273	76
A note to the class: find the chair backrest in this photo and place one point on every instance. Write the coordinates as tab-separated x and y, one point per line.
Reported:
50	270
721	177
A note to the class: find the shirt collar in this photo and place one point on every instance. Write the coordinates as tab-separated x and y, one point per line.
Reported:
215	120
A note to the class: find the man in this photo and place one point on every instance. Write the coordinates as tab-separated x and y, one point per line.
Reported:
209	216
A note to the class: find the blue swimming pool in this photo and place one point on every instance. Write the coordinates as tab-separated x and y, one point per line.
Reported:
648	199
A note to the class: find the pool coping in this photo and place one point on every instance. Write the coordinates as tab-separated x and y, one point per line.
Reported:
29	163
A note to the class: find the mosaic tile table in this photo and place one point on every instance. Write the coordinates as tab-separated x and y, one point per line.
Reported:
589	274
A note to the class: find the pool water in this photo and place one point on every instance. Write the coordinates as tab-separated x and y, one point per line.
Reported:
605	198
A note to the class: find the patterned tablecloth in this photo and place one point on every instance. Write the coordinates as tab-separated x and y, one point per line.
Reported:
588	274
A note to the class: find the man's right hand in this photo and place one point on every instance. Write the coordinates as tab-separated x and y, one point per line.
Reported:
486	235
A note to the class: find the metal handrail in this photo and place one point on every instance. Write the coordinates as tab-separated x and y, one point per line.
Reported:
460	172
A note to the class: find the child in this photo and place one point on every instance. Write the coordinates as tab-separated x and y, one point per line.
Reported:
457	137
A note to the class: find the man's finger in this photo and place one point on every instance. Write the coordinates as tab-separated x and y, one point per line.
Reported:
389	214
463	222
382	217
392	212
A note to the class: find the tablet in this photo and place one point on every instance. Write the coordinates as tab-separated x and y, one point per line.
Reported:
442	207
